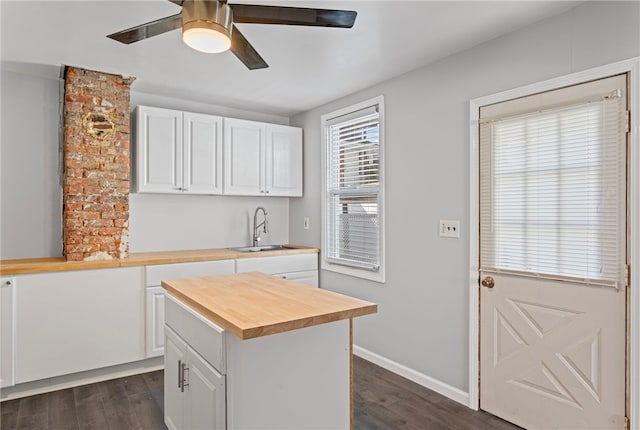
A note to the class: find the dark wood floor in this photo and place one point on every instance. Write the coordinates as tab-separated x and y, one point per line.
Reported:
386	401
382	401
134	402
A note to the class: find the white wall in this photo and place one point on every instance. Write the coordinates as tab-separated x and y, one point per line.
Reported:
31	204
422	316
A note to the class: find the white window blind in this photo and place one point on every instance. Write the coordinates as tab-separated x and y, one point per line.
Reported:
352	218
553	193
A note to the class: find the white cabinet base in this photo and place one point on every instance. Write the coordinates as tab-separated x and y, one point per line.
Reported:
81	378
296	380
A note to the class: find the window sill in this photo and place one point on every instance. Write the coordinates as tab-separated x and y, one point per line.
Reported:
354	271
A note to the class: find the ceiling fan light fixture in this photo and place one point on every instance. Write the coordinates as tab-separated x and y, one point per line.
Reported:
206	38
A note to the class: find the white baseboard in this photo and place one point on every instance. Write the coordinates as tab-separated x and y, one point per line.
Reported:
82	378
419	378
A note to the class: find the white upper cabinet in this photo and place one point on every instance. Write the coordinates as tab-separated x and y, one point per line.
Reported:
158	150
202	154
177	152
283	160
262	159
244	157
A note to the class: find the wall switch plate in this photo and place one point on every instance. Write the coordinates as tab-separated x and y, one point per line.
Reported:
449	228
305	223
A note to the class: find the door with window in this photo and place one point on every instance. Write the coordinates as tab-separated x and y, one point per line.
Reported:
553	257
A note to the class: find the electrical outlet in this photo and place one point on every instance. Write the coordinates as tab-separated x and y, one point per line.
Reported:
449	228
305	223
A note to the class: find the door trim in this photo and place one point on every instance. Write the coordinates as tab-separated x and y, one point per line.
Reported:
631	66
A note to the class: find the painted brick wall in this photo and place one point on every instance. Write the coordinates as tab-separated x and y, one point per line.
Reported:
96	165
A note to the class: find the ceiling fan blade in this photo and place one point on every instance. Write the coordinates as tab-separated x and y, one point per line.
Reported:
150	29
245	52
256	14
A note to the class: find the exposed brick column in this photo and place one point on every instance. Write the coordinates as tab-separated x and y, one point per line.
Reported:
96	165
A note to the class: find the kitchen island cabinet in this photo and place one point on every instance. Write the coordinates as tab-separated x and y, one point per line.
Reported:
280	349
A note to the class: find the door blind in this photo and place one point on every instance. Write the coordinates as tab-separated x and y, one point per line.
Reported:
553	192
352	190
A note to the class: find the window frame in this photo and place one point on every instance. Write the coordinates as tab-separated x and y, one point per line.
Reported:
325	264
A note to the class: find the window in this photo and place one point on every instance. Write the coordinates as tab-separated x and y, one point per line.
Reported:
555	191
353	203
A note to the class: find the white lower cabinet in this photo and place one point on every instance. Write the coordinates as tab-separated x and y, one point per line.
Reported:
174	399
70	322
301	268
154	328
194	390
205	399
7	331
155	294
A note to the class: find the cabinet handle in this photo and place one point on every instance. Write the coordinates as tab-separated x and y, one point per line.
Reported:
184	367
267	191
180	374
262	191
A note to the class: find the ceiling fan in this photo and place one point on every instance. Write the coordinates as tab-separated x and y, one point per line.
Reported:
209	25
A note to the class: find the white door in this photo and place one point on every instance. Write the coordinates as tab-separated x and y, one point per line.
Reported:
159	150
244	160
202	154
174	396
284	161
206	399
553	258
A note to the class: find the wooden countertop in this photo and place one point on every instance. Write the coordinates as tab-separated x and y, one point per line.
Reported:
57	264
255	304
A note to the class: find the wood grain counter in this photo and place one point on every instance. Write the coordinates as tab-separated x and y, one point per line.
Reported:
254	304
57	264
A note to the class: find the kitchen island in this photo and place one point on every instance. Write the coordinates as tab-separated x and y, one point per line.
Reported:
252	351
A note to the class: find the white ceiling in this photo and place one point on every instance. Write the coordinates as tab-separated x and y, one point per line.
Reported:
308	66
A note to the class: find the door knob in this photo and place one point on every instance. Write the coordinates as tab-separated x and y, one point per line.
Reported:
488	282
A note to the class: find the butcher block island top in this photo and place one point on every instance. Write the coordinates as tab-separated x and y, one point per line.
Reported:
253	304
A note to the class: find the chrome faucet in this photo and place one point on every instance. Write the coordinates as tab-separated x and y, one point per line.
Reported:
256	226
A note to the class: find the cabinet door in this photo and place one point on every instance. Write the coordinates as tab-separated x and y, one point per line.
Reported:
7	332
206	400
154	329
202	154
243	155
174	394
159	150
283	161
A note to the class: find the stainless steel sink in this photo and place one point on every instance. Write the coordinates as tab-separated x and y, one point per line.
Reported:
261	248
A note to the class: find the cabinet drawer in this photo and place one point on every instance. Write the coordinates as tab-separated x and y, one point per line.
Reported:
155	274
204	336
308	277
278	264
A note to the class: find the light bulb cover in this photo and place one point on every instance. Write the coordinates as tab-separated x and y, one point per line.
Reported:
206	37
